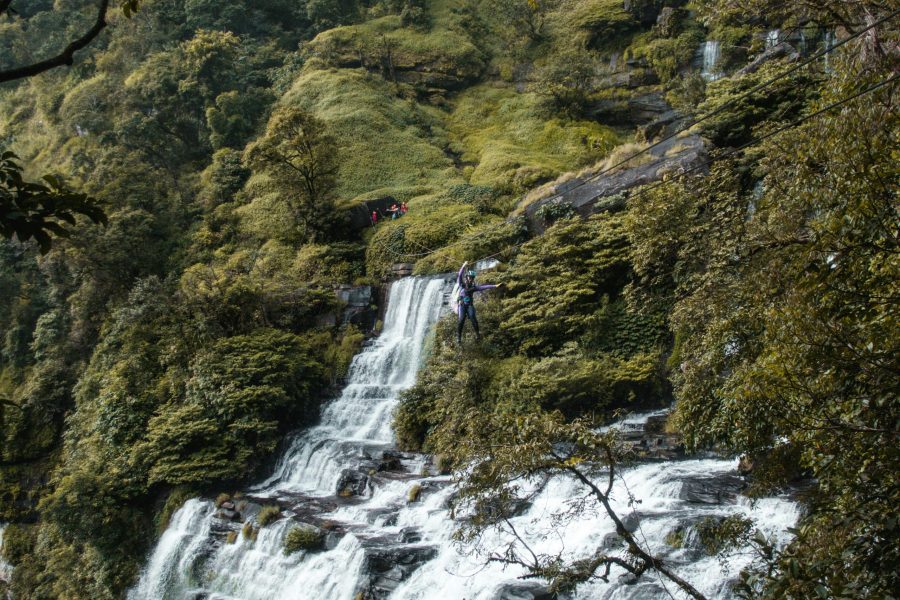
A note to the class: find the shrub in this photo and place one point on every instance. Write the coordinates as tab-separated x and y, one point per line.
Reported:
268	515
248	531
306	538
413	493
555	211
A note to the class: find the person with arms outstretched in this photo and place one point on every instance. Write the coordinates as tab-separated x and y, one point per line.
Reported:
465	300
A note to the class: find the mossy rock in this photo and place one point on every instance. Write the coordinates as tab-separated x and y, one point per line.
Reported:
414	492
268	515
304	537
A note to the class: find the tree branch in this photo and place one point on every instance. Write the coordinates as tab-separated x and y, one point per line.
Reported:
66	57
633	546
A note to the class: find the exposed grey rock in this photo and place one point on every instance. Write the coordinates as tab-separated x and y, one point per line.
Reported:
524	591
410	535
352	483
607	193
722	489
389	462
402	269
388	565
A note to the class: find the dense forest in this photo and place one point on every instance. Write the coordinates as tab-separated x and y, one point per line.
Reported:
181	201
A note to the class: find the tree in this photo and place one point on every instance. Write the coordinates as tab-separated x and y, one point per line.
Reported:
503	458
525	16
567	78
30	210
785	301
300	158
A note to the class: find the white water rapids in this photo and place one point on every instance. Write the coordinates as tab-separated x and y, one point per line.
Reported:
193	561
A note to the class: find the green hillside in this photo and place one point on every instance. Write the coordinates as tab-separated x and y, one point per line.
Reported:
165	344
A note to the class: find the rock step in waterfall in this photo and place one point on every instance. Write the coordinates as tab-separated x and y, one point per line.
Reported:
381	516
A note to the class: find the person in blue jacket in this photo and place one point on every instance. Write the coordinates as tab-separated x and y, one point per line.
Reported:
465	301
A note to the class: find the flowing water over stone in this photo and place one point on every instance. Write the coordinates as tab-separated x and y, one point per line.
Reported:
383	515
5	568
711	55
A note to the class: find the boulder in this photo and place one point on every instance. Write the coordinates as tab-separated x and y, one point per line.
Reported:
722	489
402	269
389	462
524	591
388	565
352	483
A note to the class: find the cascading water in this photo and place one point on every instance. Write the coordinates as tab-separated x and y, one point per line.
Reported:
772	38
392	543
189	560
829	44
711	54
5	567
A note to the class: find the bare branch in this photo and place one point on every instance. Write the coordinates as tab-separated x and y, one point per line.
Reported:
66	57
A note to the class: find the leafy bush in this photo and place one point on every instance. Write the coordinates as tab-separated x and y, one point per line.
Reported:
268	514
306	538
242	393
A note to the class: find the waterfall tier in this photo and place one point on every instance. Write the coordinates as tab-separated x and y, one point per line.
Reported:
383	515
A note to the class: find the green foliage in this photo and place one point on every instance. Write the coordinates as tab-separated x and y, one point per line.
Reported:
552	212
779	298
667	56
735	124
604	22
560	279
567	78
259	288
401	154
37	211
299	158
306	538
387	45
268	514
235	116
523	17
721	534
241	394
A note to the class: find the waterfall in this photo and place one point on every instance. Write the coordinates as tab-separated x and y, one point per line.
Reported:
190	556
5	567
772	38
829	44
388	543
711	52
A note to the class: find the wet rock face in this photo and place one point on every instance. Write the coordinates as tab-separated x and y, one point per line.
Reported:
353	482
387	565
722	489
608	193
524	591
